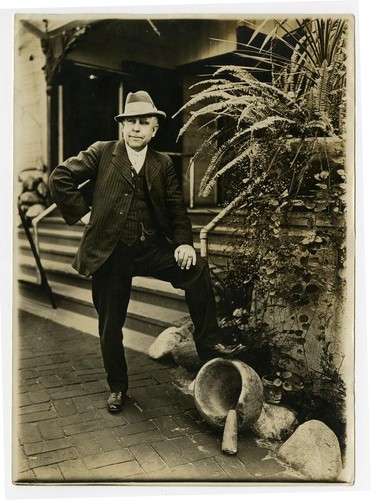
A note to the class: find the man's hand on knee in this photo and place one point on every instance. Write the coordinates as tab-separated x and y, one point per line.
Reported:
185	256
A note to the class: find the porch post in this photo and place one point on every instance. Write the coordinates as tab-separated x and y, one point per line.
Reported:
120	106
60	124
55	48
48	124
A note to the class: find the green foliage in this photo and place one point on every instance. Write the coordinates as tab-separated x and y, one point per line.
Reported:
280	150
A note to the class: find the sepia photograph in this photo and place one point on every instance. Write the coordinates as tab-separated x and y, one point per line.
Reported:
184	247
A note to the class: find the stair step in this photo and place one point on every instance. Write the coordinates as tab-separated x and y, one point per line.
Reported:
54	252
154	304
146	318
58	222
141	284
64	242
51	240
222	230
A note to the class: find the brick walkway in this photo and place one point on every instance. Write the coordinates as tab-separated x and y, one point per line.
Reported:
64	433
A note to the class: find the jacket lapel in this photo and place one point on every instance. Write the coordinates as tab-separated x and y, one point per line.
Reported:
121	161
153	168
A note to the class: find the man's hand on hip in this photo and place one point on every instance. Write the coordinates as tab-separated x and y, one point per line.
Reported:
185	256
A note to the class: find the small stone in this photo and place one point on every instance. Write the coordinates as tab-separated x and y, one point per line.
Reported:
275	422
171	338
165	343
314	450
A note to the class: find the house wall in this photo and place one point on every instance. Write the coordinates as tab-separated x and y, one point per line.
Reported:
30	102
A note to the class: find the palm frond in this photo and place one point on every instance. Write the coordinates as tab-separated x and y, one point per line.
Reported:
202	96
210	81
218	108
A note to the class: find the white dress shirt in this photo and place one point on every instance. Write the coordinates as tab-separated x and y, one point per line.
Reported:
137	158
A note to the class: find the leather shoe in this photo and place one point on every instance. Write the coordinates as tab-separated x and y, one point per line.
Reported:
219	351
228	350
115	402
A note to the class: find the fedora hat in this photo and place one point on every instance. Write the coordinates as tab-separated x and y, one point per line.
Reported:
139	104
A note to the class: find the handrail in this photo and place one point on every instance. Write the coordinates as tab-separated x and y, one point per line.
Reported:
42	278
35	223
204	233
39	218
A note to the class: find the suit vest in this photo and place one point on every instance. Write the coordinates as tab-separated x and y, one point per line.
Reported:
141	223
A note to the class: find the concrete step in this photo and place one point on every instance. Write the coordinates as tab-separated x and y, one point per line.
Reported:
52	251
57	222
199	216
154	304
63	242
62	236
144	289
149	319
54	231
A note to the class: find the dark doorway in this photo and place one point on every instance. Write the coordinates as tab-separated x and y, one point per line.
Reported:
90	102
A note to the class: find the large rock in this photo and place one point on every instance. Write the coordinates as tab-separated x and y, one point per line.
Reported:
165	343
314	450
171	338
275	423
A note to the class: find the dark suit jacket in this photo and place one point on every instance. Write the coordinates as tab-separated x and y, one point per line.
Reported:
107	165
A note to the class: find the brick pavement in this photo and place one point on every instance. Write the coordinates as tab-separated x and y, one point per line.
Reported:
64	434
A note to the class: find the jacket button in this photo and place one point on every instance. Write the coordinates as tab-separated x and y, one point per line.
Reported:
121	212
125	194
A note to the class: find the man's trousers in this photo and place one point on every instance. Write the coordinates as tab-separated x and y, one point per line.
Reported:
111	286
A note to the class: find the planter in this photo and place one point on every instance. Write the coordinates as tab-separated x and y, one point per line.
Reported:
222	385
229	394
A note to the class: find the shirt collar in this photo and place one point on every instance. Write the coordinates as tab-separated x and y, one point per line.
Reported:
139	154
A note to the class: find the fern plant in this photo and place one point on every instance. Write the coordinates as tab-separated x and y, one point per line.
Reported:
306	96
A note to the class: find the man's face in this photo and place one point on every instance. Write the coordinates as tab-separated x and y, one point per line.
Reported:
139	130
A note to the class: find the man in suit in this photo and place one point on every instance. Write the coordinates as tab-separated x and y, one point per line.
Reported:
138	226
